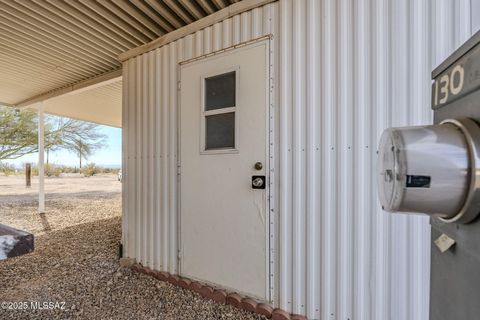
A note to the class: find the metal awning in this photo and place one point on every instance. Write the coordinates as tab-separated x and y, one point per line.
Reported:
101	103
50	47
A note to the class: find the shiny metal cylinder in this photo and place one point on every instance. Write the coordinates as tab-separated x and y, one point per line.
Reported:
424	169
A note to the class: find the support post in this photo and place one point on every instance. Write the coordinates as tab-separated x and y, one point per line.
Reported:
41	155
28	175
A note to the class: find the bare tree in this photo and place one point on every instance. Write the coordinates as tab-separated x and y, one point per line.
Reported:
81	138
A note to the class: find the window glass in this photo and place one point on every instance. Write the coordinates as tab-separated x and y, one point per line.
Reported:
220	131
220	91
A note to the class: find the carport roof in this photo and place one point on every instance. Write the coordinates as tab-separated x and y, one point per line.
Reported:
52	47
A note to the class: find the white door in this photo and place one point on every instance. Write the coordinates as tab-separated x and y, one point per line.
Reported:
223	148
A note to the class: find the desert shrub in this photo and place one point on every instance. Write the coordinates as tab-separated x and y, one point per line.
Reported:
34	170
49	168
7	169
109	170
53	170
69	170
57	171
90	170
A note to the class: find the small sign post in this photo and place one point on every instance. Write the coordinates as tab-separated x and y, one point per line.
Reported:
28	175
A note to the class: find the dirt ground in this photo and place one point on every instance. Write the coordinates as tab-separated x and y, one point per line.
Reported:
74	272
12	188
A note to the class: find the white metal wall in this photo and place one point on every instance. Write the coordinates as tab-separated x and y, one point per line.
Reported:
343	71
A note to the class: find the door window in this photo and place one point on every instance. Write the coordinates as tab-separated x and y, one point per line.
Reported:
220	131
219	112
220	91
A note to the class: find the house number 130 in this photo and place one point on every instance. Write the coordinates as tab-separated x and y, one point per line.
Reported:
449	84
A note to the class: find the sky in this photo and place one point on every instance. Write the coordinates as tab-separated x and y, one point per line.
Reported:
110	156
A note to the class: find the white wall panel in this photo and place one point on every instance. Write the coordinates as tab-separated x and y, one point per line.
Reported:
475	15
342	72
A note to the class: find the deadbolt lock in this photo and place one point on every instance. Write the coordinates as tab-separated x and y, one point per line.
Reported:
258	182
258	165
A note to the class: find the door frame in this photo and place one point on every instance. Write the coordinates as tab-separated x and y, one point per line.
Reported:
270	261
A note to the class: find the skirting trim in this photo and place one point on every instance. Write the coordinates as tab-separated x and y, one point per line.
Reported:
220	295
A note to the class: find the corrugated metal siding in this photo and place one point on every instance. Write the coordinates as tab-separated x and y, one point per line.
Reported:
344	70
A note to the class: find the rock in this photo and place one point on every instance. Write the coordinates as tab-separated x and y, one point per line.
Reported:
127	262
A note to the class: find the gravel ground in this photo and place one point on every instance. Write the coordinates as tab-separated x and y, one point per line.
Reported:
75	262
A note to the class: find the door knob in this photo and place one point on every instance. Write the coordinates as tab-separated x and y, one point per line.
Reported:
258	182
259	166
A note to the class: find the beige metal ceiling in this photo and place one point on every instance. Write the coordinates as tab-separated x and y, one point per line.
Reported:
101	104
50	44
